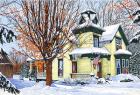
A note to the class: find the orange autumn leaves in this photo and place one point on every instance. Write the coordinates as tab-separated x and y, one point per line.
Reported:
28	47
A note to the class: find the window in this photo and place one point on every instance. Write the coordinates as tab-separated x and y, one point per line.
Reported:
127	63
118	43
45	66
96	41
123	63
74	67
118	66
60	67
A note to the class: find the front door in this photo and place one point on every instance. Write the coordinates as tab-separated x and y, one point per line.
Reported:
99	69
74	67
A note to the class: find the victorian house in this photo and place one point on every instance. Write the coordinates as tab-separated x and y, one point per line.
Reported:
99	51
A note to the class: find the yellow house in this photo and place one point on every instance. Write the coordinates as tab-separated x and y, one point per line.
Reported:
99	51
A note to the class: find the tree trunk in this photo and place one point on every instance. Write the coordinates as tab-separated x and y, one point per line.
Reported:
49	73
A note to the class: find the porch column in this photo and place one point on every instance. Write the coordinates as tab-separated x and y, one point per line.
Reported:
93	68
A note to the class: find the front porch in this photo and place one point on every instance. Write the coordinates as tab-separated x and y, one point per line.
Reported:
88	64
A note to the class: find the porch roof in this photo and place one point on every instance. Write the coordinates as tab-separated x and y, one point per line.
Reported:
121	51
93	50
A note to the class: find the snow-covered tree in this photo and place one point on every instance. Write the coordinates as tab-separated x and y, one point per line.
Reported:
134	35
6	34
46	26
24	70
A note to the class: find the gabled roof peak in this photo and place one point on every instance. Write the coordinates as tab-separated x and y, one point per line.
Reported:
110	32
112	29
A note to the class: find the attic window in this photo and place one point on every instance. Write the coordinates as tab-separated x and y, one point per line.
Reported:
118	43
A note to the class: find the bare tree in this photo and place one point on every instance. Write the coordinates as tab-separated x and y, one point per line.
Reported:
110	12
17	57
6	34
46	25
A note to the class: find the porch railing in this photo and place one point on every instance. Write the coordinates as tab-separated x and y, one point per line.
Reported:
41	75
80	75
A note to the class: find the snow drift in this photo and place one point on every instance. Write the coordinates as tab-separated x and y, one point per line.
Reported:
121	77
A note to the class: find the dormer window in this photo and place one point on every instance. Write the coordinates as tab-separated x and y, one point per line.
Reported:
82	20
95	41
118	43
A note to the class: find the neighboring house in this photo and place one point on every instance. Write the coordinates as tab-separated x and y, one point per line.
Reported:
99	51
6	66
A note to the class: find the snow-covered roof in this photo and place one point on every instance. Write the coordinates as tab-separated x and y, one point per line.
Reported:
110	32
89	23
30	59
92	50
88	20
121	51
135	38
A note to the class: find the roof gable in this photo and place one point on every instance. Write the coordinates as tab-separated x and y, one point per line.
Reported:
111	32
4	58
123	35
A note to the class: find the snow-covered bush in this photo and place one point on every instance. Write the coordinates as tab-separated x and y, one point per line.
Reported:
81	81
101	81
126	80
122	77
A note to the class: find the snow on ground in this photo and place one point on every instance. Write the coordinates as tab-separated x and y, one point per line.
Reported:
125	76
114	87
92	89
22	83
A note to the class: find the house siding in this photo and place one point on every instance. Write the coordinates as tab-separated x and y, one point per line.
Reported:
111	47
67	67
84	65
105	64
86	40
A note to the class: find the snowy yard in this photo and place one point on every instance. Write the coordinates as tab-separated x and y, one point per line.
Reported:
114	87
